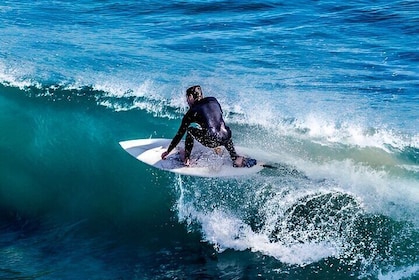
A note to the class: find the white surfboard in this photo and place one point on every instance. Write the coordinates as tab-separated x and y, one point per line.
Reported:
204	162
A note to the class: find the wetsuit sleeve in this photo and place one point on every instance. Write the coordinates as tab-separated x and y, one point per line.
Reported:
186	121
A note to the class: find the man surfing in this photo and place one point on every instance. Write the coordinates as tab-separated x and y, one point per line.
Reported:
212	131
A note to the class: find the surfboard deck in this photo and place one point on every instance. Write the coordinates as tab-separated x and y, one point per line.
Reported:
204	162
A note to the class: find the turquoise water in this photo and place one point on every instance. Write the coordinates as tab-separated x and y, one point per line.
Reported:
326	91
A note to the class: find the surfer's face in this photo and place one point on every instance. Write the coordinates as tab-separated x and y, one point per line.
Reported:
190	99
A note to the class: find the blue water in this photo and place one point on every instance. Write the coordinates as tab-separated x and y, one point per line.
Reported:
326	91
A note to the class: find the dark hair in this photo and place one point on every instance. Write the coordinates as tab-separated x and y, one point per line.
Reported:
195	91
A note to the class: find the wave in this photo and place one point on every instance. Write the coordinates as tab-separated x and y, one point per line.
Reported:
312	142
297	221
315	145
147	96
382	169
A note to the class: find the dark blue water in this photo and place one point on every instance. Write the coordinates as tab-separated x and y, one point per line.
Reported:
326	91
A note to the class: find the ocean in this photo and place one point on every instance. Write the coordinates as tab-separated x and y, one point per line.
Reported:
325	91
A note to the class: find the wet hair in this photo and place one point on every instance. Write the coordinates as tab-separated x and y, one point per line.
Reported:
195	91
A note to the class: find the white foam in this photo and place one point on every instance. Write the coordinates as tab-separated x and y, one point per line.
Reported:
118	89
407	272
225	231
15	78
410	167
370	190
380	192
319	127
354	134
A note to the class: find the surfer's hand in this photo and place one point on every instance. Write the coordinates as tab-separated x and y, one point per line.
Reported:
164	155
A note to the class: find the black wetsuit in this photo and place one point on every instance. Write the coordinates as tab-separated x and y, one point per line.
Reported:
212	133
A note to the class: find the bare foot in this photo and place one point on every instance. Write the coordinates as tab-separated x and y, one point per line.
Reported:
238	162
186	162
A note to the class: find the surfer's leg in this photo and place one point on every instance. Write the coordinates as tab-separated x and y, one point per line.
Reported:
203	137
192	133
238	161
231	150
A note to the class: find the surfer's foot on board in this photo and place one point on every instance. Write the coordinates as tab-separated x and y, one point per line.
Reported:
186	160
244	162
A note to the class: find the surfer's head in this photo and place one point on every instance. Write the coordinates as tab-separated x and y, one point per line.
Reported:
193	94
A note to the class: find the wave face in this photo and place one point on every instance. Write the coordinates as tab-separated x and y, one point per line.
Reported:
327	93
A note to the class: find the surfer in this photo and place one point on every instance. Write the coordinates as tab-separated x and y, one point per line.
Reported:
212	131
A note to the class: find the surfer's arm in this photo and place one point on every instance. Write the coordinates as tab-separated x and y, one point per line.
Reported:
182	130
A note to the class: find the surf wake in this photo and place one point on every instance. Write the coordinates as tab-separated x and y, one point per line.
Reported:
296	220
